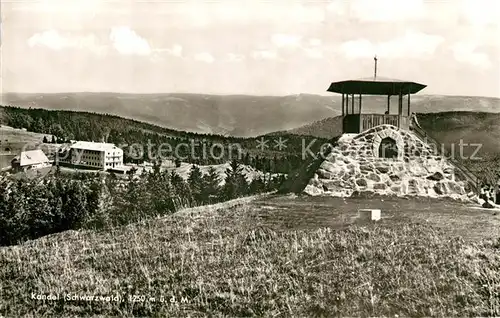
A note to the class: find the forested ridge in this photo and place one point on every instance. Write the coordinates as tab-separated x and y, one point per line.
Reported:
203	149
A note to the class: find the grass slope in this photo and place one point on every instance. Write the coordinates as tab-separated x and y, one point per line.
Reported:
325	128
224	260
236	115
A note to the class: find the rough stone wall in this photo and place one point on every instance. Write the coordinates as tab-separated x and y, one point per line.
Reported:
354	165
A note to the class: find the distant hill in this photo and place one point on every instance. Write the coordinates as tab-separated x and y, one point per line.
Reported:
325	128
476	128
235	115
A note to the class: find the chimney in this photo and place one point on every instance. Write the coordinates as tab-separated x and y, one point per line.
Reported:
375	75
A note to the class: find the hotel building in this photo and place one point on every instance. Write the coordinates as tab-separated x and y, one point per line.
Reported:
94	155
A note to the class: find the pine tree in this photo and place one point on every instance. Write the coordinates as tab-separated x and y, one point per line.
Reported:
156	168
75	207
236	184
159	187
53	139
247	160
257	163
138	201
257	185
211	185
38	126
45	141
177	162
17	209
180	191
176	180
111	182
273	164
58	170
195	182
275	182
101	203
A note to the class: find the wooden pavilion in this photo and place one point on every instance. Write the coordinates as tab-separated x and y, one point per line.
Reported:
355	121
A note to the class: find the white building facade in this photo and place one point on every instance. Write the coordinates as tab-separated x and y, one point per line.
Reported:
95	155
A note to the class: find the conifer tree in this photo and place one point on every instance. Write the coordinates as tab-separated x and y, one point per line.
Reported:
180	193
177	162
160	188
236	184
211	185
257	185
195	182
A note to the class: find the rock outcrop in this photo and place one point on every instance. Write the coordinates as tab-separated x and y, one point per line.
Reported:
356	164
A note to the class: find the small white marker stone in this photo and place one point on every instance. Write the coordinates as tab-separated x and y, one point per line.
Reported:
369	214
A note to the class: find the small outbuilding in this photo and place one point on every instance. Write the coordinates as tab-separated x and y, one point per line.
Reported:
31	159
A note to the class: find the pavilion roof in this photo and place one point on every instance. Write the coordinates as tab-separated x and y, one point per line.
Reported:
375	86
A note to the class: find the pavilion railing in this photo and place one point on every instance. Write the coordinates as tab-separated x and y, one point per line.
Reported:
368	121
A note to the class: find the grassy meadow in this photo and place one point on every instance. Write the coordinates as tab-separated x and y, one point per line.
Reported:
277	256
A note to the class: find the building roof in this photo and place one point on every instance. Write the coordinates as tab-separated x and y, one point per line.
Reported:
375	86
32	157
121	168
95	146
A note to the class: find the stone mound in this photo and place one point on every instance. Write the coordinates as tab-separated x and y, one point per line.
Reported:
355	165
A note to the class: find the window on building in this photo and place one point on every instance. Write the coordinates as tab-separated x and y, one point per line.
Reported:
388	148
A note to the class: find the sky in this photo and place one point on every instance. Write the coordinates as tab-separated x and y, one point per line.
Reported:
254	47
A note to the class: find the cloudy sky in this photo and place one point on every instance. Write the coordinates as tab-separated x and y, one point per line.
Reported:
248	47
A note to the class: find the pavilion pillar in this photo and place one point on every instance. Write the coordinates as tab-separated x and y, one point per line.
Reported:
388	103
361	128
352	103
400	100
347	104
343	110
408	105
400	111
360	103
